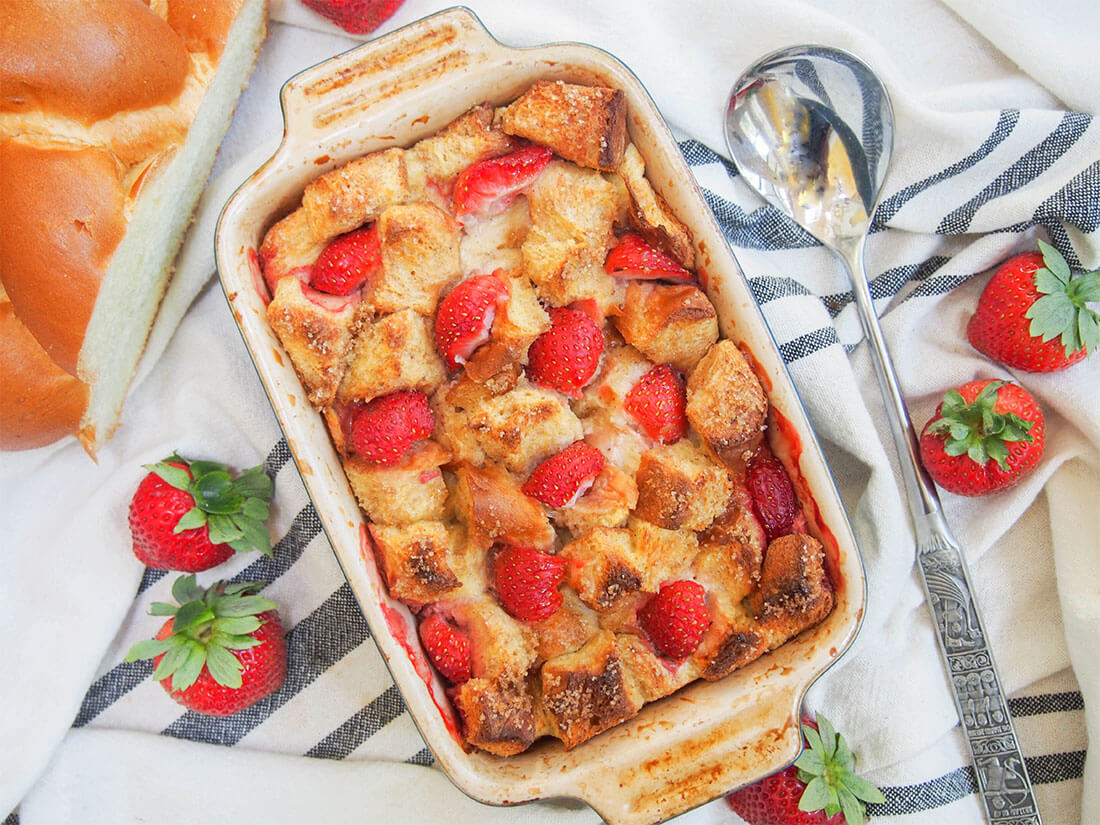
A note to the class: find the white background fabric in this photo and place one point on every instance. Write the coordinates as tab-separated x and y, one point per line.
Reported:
953	69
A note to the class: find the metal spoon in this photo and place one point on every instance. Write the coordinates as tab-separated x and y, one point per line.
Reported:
811	129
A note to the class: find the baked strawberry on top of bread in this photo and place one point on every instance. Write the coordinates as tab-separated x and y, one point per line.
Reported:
538	417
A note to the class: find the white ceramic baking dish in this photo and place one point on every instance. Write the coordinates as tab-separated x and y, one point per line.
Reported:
682	751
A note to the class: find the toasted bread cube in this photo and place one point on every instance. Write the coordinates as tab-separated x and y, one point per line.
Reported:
738	541
652	676
567	629
498	715
725	402
728	645
680	487
795	592
604	567
584	124
420	256
416	561
316	333
523	426
665	554
396	352
606	504
492	242
669	324
650	213
399	494
491	504
499	644
586	691
355	193
573	215
289	247
468	139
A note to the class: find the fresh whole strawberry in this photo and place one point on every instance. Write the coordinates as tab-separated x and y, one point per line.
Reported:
465	317
1033	315
447	647
565	476
658	403
567	355
527	582
355	16
223	650
773	498
489	186
820	788
191	516
385	429
676	618
634	259
347	263
985	437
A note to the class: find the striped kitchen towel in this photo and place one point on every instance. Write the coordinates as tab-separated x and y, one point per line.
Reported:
90	738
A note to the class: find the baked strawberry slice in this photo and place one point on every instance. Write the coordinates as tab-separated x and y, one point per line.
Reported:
465	317
447	647
634	259
489	186
567	355
386	428
566	476
527	582
347	263
773	498
676	618
658	403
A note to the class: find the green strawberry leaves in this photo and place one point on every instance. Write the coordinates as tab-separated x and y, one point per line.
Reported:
976	430
207	624
234	510
1061	311
826	767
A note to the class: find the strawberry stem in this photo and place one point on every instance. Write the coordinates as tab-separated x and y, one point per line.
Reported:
976	430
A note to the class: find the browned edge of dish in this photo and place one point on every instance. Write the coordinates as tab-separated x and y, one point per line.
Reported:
681	751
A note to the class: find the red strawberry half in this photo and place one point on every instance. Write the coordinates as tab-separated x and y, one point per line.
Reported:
1033	315
527	582
658	403
223	650
784	799
634	259
355	16
347	262
489	186
386	428
564	477
191	516
985	437
567	355
676	618
465	317
447	647
773	497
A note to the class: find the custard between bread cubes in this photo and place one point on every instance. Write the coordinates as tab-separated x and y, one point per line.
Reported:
565	469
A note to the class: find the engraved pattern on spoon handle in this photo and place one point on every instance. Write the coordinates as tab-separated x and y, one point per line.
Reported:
1003	783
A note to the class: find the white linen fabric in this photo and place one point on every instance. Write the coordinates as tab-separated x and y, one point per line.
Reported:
996	145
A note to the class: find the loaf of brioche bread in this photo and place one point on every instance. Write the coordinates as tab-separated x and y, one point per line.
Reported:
111	112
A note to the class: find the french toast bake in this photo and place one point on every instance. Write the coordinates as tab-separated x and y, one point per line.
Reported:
565	469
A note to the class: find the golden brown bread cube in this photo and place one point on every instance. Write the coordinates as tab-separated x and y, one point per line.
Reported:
585	692
499	644
567	629
728	645
741	540
316	334
669	324
396	352
398	494
356	193
604	567
523	426
436	161
651	675
584	124
795	592
420	257
489	501
499	716
680	487
289	247
650	214
665	554
725	402
417	560
573	214
607	503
